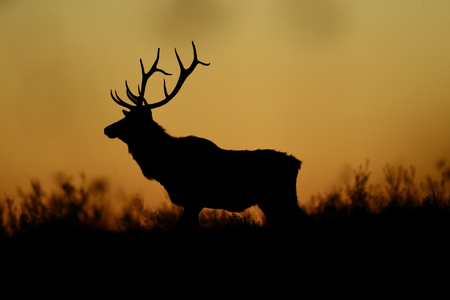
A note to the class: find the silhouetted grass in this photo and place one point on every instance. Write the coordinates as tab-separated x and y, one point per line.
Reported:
73	209
397	203
362	231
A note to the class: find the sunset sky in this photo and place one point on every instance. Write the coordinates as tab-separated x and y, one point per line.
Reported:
333	83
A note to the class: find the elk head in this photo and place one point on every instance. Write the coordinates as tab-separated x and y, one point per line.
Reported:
140	113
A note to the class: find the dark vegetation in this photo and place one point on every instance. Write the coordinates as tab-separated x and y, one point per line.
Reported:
397	204
86	208
360	228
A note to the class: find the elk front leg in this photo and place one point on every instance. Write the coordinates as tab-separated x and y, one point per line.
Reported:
189	219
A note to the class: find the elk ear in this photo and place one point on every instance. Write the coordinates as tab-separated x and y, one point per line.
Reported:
125	112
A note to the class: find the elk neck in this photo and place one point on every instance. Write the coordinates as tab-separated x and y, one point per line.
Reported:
150	148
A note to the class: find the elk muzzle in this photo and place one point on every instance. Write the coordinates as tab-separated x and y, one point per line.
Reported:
112	131
109	133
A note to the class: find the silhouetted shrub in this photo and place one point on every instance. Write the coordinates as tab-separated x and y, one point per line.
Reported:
364	205
67	209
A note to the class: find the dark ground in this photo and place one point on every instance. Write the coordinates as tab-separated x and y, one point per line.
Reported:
331	259
363	243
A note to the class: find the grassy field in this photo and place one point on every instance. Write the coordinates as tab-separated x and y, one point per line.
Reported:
397	228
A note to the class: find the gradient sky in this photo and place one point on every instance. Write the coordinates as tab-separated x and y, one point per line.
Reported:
332	82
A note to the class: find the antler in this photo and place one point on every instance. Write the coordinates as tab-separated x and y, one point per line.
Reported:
139	100
184	73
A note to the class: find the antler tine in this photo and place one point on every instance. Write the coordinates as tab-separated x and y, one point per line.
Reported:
120	101
131	96
184	73
194	63
195	56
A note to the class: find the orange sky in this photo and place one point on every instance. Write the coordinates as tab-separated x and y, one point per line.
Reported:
332	82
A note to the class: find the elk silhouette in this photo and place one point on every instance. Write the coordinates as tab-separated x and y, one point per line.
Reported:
195	172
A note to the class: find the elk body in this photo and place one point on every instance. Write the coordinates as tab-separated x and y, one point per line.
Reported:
196	173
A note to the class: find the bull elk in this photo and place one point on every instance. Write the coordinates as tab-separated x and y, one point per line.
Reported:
195	172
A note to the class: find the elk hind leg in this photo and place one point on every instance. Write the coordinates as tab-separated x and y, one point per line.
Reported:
286	215
272	214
